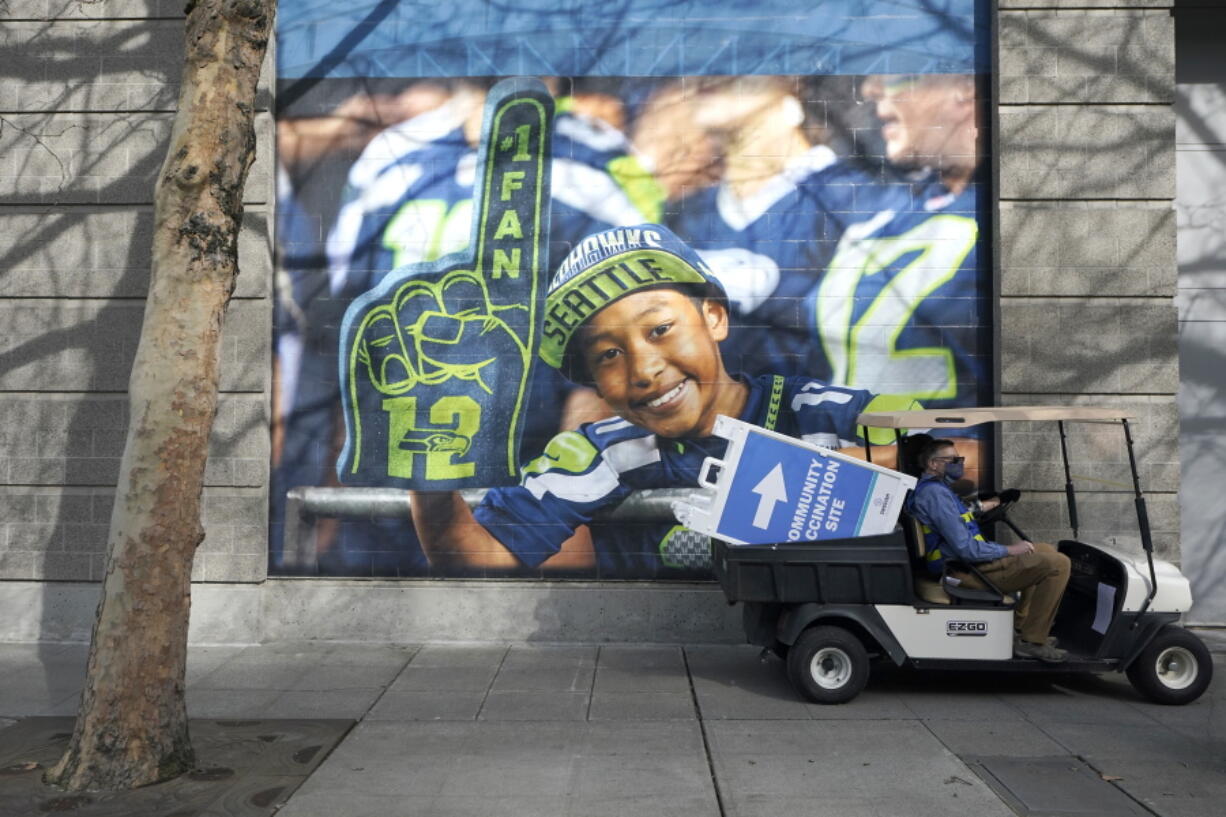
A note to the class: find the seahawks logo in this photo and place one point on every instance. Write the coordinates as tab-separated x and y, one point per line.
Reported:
438	441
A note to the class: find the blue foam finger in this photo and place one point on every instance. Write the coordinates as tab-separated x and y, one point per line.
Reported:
436	361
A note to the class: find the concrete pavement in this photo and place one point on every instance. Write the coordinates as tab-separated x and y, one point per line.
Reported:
542	730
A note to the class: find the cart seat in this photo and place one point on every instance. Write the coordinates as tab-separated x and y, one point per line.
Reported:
927	586
930	590
944	590
975	595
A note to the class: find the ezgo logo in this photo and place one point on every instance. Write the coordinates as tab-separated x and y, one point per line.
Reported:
971	628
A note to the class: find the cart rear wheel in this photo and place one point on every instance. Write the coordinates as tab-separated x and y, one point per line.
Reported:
1175	668
828	665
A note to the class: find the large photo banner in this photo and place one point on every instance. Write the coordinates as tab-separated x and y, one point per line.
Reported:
528	252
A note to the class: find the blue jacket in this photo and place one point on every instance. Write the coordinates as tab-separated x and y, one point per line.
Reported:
950	530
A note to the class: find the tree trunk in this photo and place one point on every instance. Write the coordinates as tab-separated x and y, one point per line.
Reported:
132	726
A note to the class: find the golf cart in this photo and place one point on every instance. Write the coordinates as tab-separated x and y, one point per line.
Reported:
826	606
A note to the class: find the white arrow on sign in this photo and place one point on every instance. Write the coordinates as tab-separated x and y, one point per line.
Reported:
771	490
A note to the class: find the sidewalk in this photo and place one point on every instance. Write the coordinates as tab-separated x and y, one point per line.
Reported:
593	730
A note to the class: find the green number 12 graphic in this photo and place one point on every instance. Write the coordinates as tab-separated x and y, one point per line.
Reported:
437	360
864	353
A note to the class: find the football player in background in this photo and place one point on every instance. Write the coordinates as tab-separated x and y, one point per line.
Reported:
863	273
902	306
678	156
759	228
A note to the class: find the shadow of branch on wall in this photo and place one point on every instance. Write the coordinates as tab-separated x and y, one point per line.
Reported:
83	132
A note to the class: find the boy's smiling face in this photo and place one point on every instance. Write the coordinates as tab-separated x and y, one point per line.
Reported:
654	358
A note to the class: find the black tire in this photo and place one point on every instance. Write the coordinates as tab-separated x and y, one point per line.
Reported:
1174	669
828	665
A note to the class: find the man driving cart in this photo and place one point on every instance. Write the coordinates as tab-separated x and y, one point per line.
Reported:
1037	570
830	607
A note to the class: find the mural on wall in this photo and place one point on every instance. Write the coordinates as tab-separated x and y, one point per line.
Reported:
811	183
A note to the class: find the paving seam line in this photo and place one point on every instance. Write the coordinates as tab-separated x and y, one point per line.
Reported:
506	650
702	728
340	739
591	690
386	687
969	767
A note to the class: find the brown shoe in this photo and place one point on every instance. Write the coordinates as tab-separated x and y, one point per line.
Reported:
1044	652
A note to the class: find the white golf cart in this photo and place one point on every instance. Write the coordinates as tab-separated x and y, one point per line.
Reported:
827	606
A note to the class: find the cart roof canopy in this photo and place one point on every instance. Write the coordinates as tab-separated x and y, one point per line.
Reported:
961	418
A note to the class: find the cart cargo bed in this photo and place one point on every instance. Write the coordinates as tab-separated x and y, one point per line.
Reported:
862	570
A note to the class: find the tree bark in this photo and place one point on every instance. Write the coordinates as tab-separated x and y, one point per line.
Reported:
131	729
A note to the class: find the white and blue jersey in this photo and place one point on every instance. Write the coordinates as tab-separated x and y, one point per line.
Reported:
866	281
584	473
409	197
902	307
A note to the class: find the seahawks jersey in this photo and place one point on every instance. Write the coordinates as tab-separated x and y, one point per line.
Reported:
409	197
868	282
587	472
902	306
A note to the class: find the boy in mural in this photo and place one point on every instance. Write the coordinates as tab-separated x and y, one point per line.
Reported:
880	267
638	315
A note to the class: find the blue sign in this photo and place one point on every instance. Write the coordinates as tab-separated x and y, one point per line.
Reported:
783	492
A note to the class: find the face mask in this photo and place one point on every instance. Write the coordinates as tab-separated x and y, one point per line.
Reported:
954	471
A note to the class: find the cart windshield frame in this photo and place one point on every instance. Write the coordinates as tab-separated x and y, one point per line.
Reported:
963	418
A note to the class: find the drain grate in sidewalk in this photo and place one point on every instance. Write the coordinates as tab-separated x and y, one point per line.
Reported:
244	768
1062	786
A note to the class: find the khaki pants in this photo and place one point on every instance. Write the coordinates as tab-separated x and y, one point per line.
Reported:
1040	576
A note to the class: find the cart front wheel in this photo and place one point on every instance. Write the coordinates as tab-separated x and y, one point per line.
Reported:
828	665
1175	668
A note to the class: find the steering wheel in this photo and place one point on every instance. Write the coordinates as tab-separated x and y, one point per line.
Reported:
1008	498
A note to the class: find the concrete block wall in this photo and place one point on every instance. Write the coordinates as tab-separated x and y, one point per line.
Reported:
1087	253
87	98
